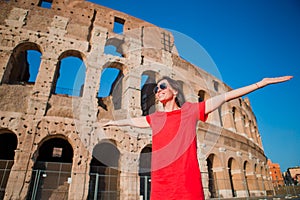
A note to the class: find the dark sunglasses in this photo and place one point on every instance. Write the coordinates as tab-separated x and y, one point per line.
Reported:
162	86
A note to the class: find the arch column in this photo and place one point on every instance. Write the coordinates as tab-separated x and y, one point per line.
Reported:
227	118
18	183
261	188
247	129
259	140
132	95
5	56
252	183
223	176
239	123
129	178
221	182
239	183
41	91
79	184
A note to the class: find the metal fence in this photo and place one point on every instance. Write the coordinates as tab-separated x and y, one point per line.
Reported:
54	184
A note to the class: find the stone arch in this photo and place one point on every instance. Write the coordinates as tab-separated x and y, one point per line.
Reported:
64	82
252	131
234	115
247	126
114	46
114	90
255	178
145	171
147	95
243	121
215	176
202	96
104	170
239	121
52	168
235	177
260	180
8	145
18	68
227	117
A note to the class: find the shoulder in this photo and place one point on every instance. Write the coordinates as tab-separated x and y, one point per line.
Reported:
188	105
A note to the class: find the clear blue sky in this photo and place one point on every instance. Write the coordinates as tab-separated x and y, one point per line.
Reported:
247	40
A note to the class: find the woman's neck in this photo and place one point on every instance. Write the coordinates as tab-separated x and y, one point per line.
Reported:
170	106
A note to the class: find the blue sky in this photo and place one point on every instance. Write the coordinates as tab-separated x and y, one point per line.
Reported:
246	40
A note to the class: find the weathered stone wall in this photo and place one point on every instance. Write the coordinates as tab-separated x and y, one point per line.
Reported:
35	114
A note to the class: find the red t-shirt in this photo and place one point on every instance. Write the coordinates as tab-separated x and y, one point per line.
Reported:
175	172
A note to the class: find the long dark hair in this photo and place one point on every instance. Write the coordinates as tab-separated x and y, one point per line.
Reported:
179	99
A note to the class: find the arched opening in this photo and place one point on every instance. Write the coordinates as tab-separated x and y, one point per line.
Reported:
201	95
70	74
51	173
111	88
212	182
114	46
23	64
216	85
112	50
234	117
145	173
148	83
8	145
104	173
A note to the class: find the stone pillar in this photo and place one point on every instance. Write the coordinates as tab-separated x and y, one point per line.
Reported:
239	123
222	176
4	56
21	172
214	118
129	178
79	183
261	186
227	118
88	106
252	183
19	177
221	182
41	91
132	95
239	183
247	129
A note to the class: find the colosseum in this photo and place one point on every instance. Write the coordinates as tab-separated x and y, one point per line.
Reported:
53	144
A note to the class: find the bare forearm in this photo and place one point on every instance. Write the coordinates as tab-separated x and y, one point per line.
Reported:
214	102
140	122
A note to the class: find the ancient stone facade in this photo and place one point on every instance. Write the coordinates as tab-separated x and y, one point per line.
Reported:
53	144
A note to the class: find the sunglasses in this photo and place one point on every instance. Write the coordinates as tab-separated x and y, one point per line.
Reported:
162	86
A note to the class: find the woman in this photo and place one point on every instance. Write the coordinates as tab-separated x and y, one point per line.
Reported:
175	171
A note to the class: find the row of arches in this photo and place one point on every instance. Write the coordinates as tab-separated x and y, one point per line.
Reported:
52	169
53	160
236	178
70	74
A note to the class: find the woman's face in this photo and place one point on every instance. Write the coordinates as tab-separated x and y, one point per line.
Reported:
165	92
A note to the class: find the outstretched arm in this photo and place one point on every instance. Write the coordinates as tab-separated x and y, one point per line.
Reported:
214	102
139	122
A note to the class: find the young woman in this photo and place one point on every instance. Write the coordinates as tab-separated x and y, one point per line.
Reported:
175	172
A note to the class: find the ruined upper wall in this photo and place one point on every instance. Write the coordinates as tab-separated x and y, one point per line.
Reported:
75	19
